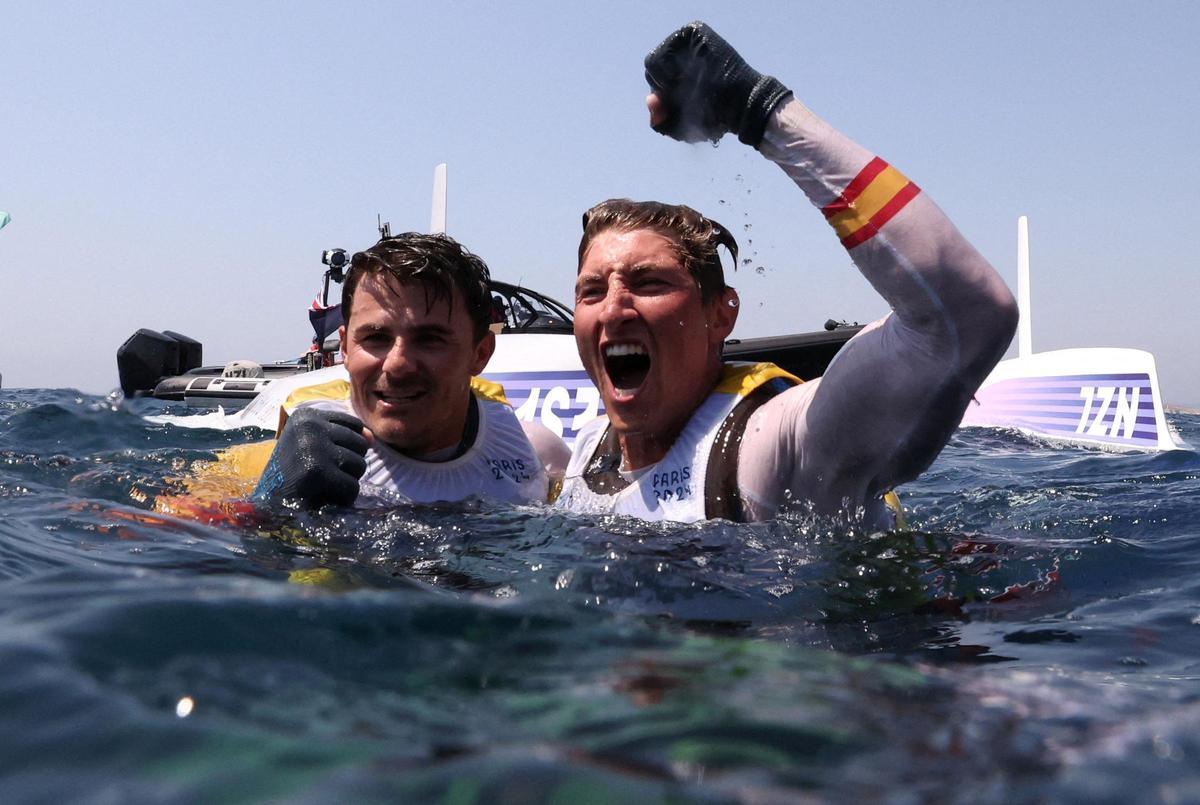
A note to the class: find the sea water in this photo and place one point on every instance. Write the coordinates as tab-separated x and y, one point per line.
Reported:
1034	635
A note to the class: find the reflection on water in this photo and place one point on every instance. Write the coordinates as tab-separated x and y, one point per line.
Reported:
1032	637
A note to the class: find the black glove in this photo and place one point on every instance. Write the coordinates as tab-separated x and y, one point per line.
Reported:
318	460
707	89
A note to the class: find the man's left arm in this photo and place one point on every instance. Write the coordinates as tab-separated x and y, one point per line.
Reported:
895	393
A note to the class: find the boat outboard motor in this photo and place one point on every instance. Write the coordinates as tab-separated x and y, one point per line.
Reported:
147	356
191	351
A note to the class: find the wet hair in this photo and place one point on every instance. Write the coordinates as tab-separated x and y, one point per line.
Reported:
696	237
438	263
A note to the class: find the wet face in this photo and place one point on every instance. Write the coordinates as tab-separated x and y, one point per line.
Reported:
410	368
647	340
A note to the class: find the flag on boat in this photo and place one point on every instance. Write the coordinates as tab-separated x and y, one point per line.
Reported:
324	317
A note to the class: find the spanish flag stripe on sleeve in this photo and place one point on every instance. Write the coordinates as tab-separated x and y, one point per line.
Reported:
870	201
858	184
872	198
885	214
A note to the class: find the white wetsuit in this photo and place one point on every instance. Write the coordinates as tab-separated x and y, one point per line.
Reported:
686	484
892	396
500	464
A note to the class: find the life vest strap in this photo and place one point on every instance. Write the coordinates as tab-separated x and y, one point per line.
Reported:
721	496
603	473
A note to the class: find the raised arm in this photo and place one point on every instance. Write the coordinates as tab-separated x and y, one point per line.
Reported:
895	393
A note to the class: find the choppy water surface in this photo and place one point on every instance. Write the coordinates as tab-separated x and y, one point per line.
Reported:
1035	636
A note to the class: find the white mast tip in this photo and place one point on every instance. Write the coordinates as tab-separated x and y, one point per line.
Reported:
437	215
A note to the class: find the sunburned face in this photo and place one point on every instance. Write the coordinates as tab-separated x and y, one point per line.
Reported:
647	340
410	368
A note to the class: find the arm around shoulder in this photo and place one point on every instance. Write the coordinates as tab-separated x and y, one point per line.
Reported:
551	450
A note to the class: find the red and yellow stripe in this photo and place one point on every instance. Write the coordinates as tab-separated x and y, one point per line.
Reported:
872	198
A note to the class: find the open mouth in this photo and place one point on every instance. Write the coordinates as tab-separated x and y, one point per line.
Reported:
627	366
398	397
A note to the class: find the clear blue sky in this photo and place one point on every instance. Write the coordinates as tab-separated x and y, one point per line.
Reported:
182	165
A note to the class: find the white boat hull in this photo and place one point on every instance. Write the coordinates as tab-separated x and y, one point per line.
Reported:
1104	397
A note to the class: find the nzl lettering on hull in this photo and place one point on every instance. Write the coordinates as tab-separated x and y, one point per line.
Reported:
1111	409
1104	396
564	401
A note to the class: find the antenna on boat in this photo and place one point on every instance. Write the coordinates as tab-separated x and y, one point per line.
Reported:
437	216
385	227
1025	323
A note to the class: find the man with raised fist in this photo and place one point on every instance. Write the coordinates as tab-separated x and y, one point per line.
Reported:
689	437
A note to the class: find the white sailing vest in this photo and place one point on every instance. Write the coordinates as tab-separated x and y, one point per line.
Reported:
675	487
500	464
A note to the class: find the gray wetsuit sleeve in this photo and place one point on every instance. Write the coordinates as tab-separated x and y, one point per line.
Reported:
893	395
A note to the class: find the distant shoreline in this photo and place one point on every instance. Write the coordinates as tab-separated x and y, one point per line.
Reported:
1180	409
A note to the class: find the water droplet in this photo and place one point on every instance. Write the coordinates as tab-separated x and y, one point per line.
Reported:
760	271
721	201
185	706
738	178
746	261
716	143
747	227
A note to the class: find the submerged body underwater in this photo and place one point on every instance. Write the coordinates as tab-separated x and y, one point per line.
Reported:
1033	635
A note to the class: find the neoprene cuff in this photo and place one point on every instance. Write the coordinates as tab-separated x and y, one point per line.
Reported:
768	92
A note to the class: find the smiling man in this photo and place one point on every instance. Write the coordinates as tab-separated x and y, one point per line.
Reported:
413	421
688	437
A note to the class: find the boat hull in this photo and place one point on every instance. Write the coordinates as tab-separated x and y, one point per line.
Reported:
1103	397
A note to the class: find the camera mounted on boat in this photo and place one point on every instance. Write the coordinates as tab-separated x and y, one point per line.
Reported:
337	261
